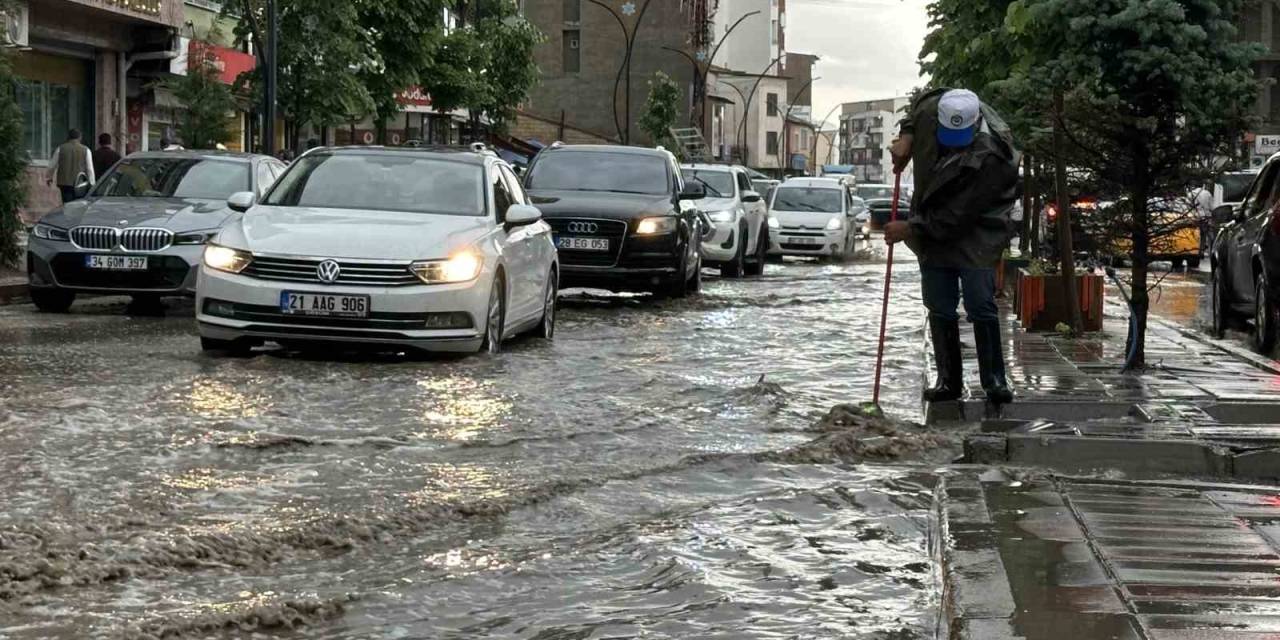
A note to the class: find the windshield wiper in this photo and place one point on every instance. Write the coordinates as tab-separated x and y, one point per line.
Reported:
708	186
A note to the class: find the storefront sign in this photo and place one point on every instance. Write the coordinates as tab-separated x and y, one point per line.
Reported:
414	96
1265	145
229	62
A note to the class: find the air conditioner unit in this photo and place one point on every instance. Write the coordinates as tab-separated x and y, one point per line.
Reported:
17	25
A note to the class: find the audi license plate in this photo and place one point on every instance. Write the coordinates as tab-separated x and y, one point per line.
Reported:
583	244
116	263
323	304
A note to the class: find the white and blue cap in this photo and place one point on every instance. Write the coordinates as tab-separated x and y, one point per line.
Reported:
958	114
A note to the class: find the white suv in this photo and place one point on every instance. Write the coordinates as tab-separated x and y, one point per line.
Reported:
739	240
812	217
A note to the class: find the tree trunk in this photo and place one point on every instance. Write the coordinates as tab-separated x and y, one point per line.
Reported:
1066	255
1024	238
1037	207
1140	301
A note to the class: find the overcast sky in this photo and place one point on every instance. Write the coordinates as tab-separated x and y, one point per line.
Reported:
868	47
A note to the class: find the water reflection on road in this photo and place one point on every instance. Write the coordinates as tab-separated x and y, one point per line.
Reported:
600	486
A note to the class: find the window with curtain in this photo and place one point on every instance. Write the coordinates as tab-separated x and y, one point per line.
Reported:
49	112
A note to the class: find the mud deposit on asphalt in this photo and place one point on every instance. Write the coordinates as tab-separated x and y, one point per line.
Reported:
665	470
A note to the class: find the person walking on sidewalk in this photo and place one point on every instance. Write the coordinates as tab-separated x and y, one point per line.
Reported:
966	175
70	160
104	157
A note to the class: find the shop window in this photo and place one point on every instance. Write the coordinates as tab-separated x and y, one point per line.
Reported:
49	112
771	143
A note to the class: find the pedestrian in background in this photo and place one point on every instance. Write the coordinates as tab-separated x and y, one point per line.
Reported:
966	175
104	157
70	161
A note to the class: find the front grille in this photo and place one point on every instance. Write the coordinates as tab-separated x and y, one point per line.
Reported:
95	237
801	247
378	320
351	273
811	232
162	273
143	239
139	240
614	230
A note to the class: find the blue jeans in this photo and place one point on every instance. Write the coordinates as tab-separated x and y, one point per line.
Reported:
941	288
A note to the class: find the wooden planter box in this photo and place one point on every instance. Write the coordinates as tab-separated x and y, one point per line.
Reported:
1041	303
1008	272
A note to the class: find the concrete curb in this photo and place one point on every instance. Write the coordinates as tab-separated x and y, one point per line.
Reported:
14	292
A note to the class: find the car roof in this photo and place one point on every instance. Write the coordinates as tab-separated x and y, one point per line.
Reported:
209	154
707	166
819	183
606	148
458	154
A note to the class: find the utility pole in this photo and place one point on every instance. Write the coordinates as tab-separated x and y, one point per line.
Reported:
271	59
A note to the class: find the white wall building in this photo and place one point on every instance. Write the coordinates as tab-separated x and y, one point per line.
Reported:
866	130
757	42
758	142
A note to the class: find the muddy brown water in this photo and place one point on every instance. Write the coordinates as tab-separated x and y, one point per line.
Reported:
655	472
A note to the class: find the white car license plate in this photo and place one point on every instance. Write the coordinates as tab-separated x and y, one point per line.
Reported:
804	240
323	304
116	263
583	244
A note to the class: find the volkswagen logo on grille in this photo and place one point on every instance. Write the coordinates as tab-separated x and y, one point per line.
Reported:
328	271
583	227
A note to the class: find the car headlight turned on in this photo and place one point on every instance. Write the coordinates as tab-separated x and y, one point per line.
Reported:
226	258
721	216
462	267
50	232
655	226
835	224
774	224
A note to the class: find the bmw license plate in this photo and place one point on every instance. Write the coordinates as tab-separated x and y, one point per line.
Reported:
583	244
116	263
323	304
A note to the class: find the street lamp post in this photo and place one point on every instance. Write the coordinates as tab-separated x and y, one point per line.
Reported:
698	108
629	35
786	118
821	123
271	58
746	107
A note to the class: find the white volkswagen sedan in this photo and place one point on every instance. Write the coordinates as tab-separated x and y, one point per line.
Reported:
434	249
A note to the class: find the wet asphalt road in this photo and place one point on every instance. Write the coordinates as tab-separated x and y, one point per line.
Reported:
607	485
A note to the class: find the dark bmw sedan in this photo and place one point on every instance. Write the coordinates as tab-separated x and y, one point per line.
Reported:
142	229
622	217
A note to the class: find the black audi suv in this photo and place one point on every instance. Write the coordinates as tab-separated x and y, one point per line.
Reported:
622	217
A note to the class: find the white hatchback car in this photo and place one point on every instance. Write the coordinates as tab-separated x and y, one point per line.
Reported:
812	217
739	240
435	249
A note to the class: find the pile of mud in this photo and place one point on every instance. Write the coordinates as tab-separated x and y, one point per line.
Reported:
848	433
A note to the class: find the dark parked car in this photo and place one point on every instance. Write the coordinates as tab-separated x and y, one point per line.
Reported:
622	217
1246	259
142	229
880	210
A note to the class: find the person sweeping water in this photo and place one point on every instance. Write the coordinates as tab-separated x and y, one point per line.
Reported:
961	221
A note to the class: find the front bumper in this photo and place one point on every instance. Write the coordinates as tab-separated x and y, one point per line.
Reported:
641	264
788	242
232	307
722	246
61	265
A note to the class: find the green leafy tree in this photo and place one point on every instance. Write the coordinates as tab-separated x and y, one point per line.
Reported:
661	108
13	165
206	120
509	68
401	38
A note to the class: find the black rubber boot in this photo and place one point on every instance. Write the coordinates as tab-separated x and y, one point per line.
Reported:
991	362
946	353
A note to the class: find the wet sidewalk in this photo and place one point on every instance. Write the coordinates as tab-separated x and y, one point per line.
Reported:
1055	558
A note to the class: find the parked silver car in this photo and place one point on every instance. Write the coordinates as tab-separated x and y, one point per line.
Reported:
141	230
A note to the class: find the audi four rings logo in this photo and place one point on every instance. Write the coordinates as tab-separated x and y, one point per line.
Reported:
583	227
328	271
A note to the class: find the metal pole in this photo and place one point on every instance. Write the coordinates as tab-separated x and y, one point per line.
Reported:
271	56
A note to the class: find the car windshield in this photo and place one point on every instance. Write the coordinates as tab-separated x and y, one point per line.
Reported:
393	182
874	192
719	184
1235	186
175	178
821	200
600	171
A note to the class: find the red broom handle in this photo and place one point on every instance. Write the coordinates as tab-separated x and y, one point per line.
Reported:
884	305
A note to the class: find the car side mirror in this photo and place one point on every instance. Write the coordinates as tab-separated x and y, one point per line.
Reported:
750	197
82	185
693	191
1224	214
241	201
522	214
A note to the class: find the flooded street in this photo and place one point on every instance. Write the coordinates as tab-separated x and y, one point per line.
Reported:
635	478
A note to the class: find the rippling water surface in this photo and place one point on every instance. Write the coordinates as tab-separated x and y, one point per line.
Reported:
607	485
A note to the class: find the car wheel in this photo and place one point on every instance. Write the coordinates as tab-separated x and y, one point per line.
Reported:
1221	305
756	266
547	328
736	267
496	318
233	348
1264	319
52	300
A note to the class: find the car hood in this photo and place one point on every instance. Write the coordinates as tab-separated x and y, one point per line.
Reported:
347	233
716	204
175	214
614	206
812	219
